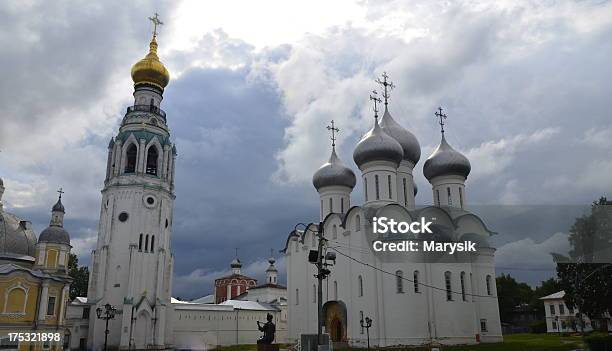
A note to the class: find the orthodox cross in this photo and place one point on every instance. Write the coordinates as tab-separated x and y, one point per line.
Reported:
441	116
60	192
387	86
333	130
236	252
156	22
376	100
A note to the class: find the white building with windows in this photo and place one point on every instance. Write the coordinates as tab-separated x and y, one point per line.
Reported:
562	318
413	298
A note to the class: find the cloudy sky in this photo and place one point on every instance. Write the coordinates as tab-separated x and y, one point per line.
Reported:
526	85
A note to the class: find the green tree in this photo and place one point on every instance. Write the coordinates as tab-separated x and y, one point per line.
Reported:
586	276
80	276
546	288
510	295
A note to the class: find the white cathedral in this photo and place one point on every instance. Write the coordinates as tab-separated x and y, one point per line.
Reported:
412	298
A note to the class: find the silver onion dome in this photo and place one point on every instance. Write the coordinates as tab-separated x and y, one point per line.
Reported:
236	263
410	144
58	207
377	145
17	239
334	172
446	161
54	234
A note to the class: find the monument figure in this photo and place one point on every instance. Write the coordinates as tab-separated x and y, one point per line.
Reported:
268	329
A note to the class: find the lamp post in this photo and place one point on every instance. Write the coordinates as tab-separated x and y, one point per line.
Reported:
107	314
367	324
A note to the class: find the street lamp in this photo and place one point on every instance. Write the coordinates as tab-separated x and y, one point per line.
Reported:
107	314
367	324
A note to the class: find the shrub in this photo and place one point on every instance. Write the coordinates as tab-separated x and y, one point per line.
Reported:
599	342
538	327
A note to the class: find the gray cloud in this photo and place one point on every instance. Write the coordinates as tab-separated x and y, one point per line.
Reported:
525	86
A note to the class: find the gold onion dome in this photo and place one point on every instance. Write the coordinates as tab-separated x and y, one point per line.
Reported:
150	70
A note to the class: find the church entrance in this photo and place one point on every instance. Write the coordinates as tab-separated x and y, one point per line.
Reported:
335	321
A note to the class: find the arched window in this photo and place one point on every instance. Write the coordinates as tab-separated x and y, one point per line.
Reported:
16	300
389	181
331	205
152	242
146	242
357	223
449	286
472	286
448	193
365	185
405	192
463	297
152	157
489	292
377	185
152	102
297	296
341	205
415	279
335	232
360	285
335	290
140	243
461	197
399	282
438	197
130	161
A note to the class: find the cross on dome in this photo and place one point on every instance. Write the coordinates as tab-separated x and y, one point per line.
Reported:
387	86
441	116
156	22
333	129
60	191
376	100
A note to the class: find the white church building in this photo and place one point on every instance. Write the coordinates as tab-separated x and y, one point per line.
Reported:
413	298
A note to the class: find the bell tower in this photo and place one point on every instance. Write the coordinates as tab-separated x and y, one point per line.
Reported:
132	263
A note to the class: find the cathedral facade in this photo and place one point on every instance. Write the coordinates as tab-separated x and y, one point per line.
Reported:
34	280
412	298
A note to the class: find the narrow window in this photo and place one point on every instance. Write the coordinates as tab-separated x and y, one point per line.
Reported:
448	193
489	285
140	243
321	208
51	306
152	157
360	320
561	309
483	325
357	223
341	205
331	205
438	196
152	102
365	184
314	293
376	184
297	296
405	192
152	242
416	281
449	286
399	282
461	197
390	190
146	242
463	297
335	290
552	309
130	163
472	286
360	287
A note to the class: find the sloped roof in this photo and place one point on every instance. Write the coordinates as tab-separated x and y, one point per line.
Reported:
557	295
248	305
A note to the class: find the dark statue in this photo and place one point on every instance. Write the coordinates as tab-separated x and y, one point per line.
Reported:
268	329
